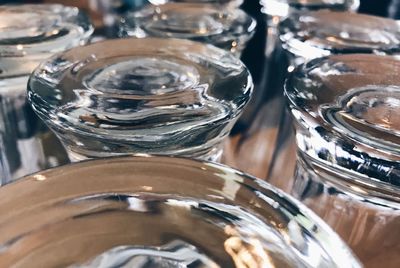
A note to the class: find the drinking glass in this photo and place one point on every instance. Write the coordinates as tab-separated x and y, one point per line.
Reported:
226	28
347	132
152	96
159	212
28	35
312	34
309	35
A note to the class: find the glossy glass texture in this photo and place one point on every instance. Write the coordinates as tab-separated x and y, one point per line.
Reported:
28	35
368	224
153	212
282	8
25	144
229	29
315	34
345	109
159	96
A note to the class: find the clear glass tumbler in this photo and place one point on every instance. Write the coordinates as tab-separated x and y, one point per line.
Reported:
152	96
309	35
159	212
345	109
225	28
28	35
312	34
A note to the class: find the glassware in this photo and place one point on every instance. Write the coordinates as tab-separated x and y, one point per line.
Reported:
33	32
316	34
153	96
313	34
159	211
345	109
28	35
229	29
282	8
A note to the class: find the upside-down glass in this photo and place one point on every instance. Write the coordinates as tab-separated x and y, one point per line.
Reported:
153	96
28	35
346	109
313	34
278	131
309	35
159	212
226	28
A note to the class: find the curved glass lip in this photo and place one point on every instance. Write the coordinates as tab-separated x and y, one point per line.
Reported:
22	55
247	28
294	42
376	187
288	206
282	8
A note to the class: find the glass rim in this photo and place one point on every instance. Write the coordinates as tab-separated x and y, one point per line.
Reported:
171	169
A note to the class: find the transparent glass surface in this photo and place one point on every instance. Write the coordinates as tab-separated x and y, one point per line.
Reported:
25	147
369	225
320	33
28	35
345	108
159	96
282	8
159	212
229	29
31	33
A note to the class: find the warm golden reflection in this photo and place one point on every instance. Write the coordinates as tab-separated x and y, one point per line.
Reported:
246	255
39	177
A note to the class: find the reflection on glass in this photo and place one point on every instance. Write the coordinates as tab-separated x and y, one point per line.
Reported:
347	131
283	8
229	29
152	96
29	34
321	33
23	139
312	34
153	211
